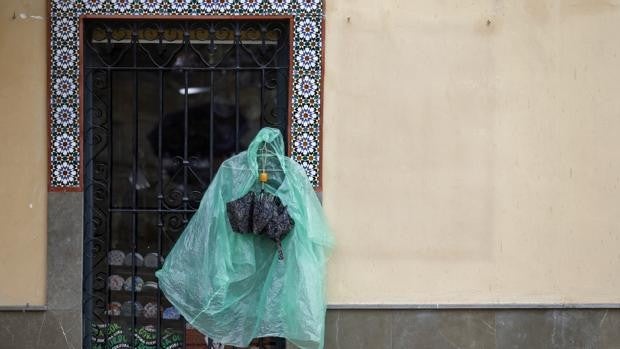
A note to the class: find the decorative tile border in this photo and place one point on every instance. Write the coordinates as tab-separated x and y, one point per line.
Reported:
305	121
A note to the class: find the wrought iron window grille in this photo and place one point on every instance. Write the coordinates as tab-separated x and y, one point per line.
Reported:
165	102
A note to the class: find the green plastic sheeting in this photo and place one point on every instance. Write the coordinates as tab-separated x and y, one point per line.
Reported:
232	287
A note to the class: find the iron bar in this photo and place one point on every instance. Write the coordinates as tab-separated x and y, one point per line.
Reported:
237	88
134	190
109	182
211	133
262	98
151	210
193	69
185	147
160	196
211	108
185	140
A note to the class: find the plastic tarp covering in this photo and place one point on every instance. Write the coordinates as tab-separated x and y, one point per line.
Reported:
233	287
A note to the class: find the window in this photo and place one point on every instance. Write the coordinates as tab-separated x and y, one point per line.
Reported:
165	103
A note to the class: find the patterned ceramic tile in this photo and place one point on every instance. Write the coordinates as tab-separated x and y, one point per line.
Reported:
65	161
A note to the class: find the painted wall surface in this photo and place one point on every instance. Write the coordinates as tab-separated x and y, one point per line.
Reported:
471	151
23	152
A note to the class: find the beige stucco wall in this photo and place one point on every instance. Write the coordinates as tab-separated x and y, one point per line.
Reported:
23	154
472	151
470	148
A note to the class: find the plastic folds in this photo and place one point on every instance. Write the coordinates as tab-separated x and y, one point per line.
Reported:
233	287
